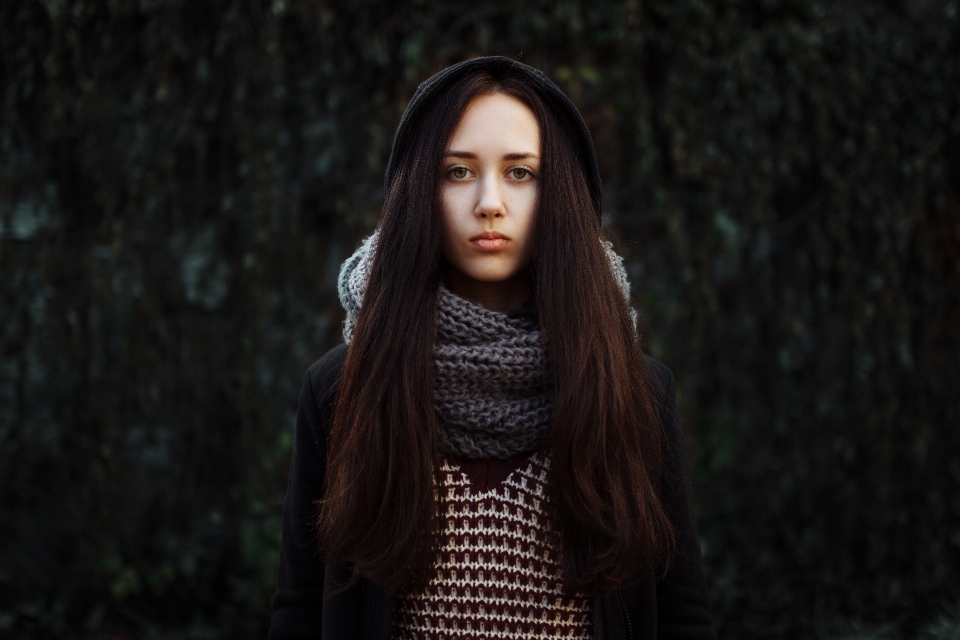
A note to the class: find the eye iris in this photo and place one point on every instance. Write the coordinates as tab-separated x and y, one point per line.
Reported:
519	174
459	172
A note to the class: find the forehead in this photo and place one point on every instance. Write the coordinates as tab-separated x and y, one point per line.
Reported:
497	122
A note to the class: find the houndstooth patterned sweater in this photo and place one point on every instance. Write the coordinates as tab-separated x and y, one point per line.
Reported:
498	574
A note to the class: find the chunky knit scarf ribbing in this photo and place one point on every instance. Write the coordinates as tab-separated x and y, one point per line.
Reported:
490	387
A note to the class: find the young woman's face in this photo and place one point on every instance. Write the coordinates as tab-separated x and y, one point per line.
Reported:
489	201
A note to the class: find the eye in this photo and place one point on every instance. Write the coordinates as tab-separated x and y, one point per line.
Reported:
459	173
520	173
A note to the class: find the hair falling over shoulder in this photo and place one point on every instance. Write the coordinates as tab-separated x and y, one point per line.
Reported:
379	511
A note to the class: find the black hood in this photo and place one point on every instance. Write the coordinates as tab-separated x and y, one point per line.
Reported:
499	67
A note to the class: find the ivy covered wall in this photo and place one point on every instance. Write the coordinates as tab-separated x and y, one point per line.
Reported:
180	180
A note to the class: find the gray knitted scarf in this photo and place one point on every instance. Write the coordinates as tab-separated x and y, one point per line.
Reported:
489	387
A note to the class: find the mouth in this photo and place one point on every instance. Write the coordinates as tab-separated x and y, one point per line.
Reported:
489	241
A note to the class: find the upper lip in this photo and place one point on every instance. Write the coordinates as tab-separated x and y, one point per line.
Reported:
490	235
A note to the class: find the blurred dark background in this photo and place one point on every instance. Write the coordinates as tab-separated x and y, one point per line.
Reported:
180	180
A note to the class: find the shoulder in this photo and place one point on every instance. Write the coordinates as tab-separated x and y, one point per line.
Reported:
663	388
661	379
324	374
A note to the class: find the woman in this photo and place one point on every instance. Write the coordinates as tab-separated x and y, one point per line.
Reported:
489	454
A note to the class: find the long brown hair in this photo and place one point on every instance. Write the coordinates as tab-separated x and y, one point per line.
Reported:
379	512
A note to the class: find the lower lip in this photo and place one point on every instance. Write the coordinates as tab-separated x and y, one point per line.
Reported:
490	244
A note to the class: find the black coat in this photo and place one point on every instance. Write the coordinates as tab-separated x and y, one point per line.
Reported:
304	605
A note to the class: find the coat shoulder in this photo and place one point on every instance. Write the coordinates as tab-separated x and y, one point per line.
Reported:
324	374
662	378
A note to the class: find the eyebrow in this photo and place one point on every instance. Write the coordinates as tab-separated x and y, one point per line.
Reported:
468	155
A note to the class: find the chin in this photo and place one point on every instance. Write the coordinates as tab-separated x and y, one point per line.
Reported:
491	276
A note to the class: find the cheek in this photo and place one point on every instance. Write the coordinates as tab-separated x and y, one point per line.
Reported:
457	208
528	216
449	222
451	204
446	212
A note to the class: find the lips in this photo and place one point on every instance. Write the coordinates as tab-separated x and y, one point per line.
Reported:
490	241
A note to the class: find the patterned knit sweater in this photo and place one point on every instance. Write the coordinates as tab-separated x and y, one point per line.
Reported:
498	574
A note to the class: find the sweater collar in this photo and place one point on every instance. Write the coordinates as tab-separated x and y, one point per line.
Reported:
526	310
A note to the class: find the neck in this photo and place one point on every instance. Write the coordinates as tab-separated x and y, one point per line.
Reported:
502	296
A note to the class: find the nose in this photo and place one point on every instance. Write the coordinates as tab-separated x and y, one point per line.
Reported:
490	199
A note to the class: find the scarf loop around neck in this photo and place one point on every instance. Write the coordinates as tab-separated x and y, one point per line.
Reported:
490	382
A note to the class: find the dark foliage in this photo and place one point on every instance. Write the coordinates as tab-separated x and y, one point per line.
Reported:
179	182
